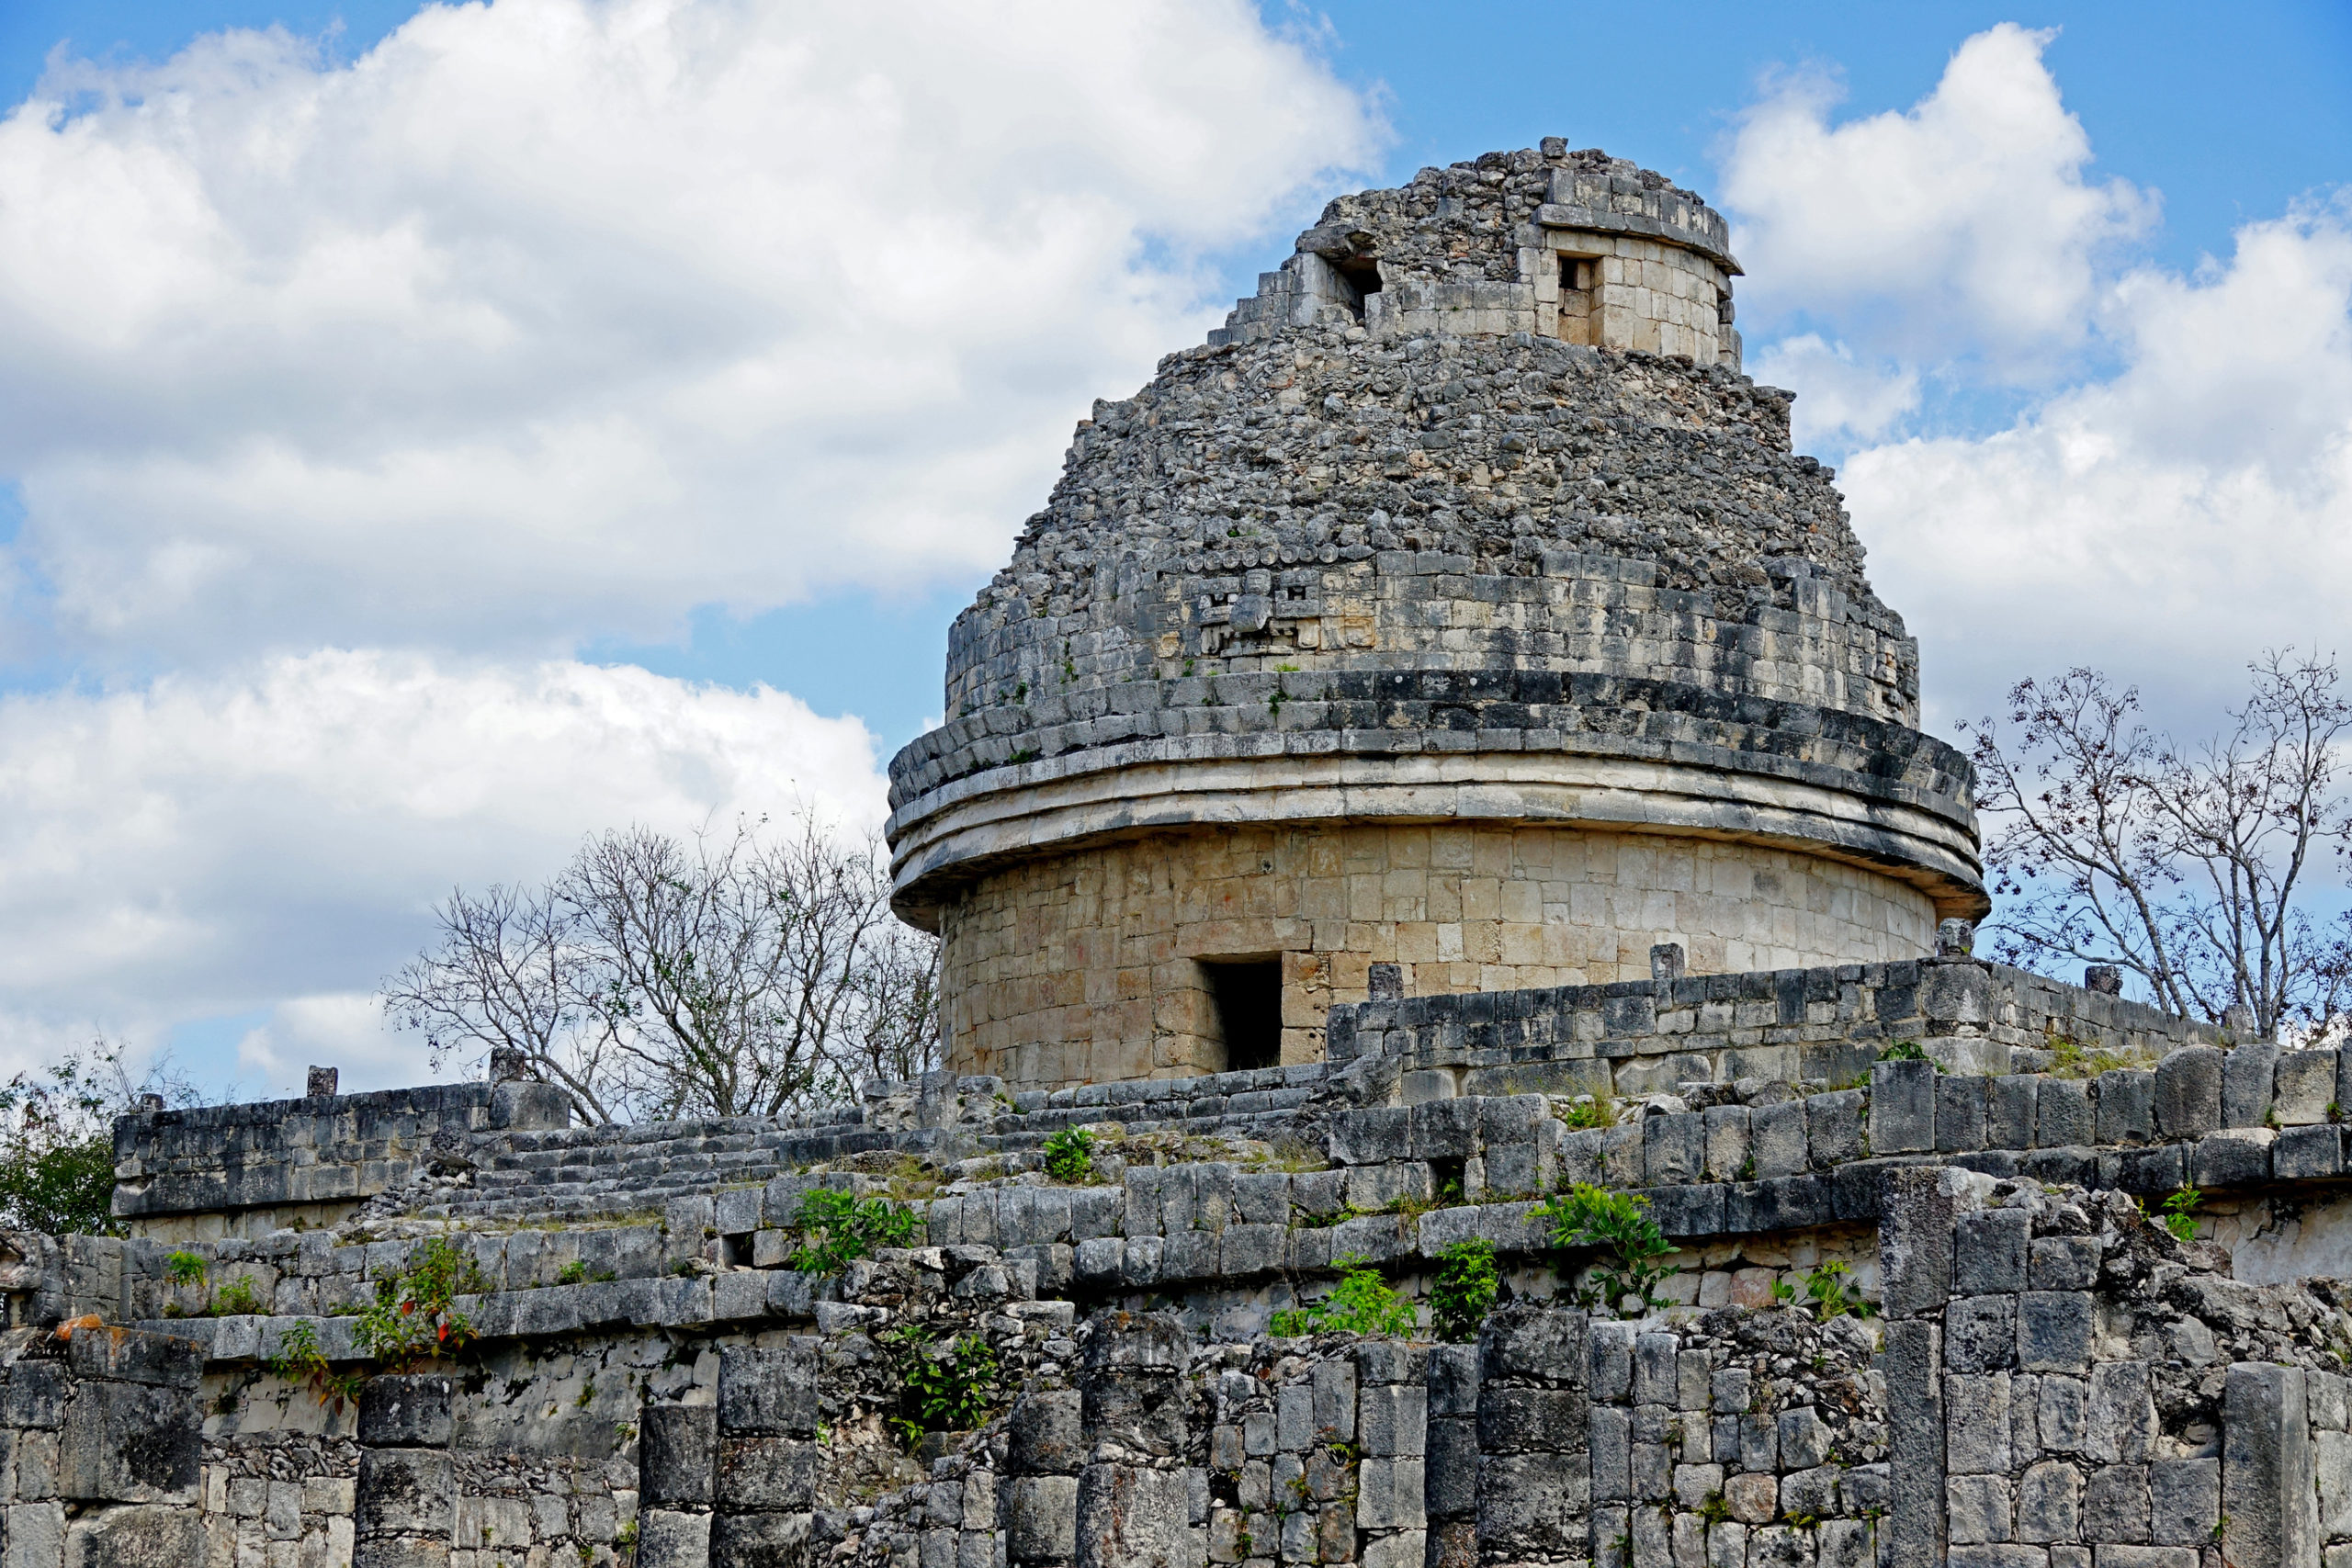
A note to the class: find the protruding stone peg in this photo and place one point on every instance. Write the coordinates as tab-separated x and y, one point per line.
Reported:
1387	982
322	1082
2238	1019
1956	939
508	1064
2105	979
151	1102
1667	962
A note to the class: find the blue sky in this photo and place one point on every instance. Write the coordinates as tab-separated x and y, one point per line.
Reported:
432	439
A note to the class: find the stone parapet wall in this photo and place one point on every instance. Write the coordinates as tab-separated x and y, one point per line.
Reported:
269	1164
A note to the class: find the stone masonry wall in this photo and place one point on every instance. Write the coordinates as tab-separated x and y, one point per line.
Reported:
1086	967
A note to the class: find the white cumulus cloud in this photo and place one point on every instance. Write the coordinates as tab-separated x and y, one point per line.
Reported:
1835	394
551	319
211	846
1966	225
2167	523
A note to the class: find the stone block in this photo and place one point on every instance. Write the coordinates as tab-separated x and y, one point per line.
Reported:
1805	1441
2115	1505
2184	1501
2236	1156
1833	1126
766	1474
1728	1141
1777	1140
1528	1504
405	1412
2055	1329
2050	1503
2000	1554
1976	1424
1610	1434
1526	1342
677	1455
1914	1535
34	1395
669	1538
2063	1115
2113	1556
1131	1517
1390	1494
2247	1077
1453	1380
2267	1464
405	1491
2304	1087
1754	1498
2065	1263
1989	1252
2009	1111
1450	1469
763	1541
1528	1420
1959	1112
147	1536
1903	1107
769	1391
2127	1106
1846	1543
130	1443
1390	1420
1977	1509
2189	1093
131	1355
1041	1518
1980	1333
2304	1154
2119	1417
1674	1149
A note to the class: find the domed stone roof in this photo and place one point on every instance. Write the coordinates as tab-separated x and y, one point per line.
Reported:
1427	534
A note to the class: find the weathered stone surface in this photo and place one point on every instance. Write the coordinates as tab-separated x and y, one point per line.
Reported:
677	1455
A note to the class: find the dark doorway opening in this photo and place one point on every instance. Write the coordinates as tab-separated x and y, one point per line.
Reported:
1249	997
1363	278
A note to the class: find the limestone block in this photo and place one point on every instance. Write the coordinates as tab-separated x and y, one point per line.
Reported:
2308	1153
1527	1503
2055	1329
1805	1441
2064	1262
1976	1415
2049	1502
667	1538
1610	1434
1753	1498
1960	1111
2185	1500
2189	1093
405	1491
1728	1141
2115	1505
1989	1252
34	1395
1977	1509
768	1391
1390	1494
2267	1464
1527	1342
2304	1087
148	1536
1903	1107
1846	1543
1674	1149
129	1355
2127	1106
1980	1333
1915	1533
677	1455
130	1443
2236	1156
2120	1418
2247	1079
406	1412
759	1473
1453	1380
1531	1420
2063	1114
760	1540
2009	1102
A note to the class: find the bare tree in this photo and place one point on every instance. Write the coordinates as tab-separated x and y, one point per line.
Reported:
2187	866
726	976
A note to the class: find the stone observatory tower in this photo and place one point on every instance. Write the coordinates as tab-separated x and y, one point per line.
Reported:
1459	606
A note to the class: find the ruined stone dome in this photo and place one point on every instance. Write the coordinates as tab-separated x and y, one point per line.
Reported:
1469	515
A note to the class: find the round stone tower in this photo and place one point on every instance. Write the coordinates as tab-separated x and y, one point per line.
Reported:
1459	606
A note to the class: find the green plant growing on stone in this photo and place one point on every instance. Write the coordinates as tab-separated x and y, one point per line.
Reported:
414	1315
184	1268
947	1391
299	1359
1714	1509
1903	1051
1361	1302
837	1229
237	1298
1464	1288
1069	1155
1834	1293
1783	1292
1619	1222
1590	1110
2181	1214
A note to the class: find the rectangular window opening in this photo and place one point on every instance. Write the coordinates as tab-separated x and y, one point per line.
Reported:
1363	278
1248	996
1579	284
